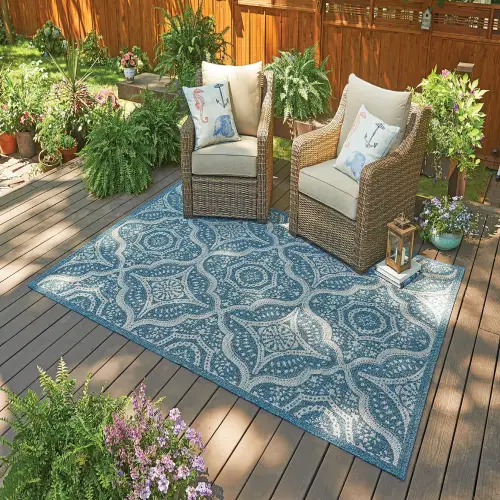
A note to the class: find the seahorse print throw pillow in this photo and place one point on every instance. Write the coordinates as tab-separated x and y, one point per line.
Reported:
368	140
210	107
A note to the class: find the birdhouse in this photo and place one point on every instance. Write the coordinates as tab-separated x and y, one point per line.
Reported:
425	24
400	238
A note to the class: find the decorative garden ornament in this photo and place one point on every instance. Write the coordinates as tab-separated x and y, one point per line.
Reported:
400	237
425	24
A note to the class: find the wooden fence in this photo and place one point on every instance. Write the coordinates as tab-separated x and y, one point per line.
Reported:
379	40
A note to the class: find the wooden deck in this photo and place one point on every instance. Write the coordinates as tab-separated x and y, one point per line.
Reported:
251	454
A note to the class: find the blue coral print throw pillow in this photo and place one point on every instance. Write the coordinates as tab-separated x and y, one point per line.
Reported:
369	140
210	107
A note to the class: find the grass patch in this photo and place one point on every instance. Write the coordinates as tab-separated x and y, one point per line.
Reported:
282	148
477	184
22	53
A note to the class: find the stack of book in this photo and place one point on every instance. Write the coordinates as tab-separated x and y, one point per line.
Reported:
399	280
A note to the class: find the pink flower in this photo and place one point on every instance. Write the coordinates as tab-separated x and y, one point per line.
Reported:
23	119
445	73
123	62
132	62
126	56
4	107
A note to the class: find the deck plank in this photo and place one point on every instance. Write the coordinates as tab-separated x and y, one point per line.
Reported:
251	453
432	459
488	479
463	463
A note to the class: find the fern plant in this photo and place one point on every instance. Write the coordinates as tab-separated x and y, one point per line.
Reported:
117	158
190	39
161	119
58	451
301	86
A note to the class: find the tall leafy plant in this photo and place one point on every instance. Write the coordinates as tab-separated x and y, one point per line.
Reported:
50	40
456	128
161	119
117	158
301	86
59	451
190	39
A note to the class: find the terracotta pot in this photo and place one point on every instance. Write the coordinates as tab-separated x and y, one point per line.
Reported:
26	144
68	154
8	144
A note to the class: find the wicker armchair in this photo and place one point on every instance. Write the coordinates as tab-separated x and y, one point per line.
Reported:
231	196
387	187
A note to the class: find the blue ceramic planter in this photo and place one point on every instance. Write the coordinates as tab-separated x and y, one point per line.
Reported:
446	241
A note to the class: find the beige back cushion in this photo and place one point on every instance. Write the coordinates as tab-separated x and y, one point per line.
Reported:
245	89
391	107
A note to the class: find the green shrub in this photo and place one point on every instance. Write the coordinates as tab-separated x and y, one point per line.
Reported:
3	34
58	451
161	118
190	39
117	158
49	39
91	51
301	86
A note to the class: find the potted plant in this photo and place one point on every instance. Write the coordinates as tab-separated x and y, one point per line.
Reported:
444	221
302	91
71	96
8	143
25	92
143	64
456	127
129	65
190	38
68	148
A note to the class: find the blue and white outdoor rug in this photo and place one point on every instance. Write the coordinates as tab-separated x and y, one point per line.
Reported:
270	317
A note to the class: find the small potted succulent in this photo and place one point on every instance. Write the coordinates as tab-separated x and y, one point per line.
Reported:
129	63
8	143
444	221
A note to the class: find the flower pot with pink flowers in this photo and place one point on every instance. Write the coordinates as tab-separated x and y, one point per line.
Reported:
129	63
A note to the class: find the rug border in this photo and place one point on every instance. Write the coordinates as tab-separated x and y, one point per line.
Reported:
408	444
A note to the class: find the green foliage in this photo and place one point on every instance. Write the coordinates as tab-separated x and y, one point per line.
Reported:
301	87
161	118
456	128
23	94
143	64
71	94
117	157
58	451
3	34
49	39
50	131
190	39
446	215
91	50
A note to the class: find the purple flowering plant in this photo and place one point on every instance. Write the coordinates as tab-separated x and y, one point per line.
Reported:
456	127
156	457
446	215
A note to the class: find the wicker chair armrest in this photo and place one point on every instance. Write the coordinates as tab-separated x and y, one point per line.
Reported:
321	144
265	128
187	134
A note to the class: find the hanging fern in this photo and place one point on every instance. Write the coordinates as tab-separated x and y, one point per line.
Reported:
161	119
117	157
58	451
301	87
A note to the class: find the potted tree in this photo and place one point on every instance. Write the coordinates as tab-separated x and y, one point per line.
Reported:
456	127
302	91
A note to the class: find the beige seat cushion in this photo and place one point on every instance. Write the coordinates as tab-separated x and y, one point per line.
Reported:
324	183
238	159
391	107
245	90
